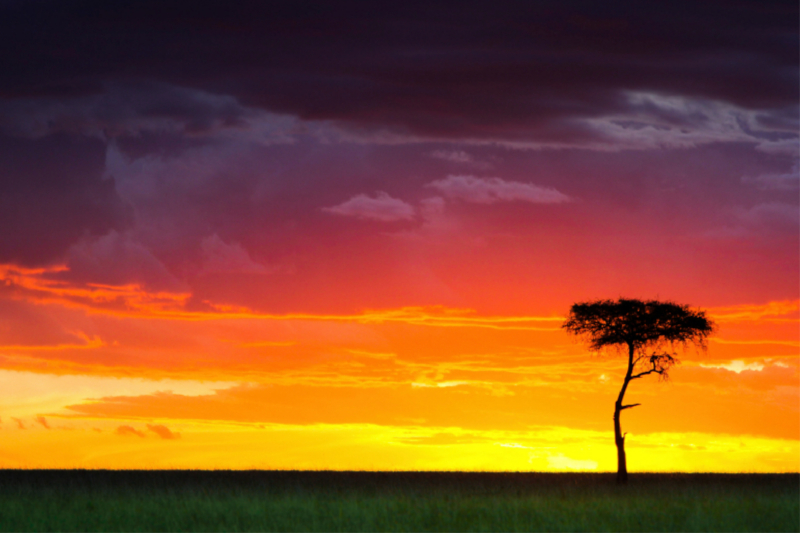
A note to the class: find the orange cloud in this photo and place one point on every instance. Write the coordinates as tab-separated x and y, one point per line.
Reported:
133	300
772	311
163	431
128	430
765	403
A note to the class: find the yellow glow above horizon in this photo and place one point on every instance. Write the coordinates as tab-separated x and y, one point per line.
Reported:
115	377
218	445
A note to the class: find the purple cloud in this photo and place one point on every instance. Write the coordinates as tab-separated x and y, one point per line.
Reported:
454	156
493	190
382	207
220	257
53	193
778	181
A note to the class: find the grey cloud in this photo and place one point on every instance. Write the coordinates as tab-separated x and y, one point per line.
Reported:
652	120
789	147
124	109
151	117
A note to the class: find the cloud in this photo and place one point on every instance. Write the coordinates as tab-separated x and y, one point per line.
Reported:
780	310
440	384
516	71
27	324
764	221
562	462
382	207
128	431
789	146
52	194
163	431
493	190
118	259
431	208
220	257
653	120
43	422
137	108
774	216
737	366
776	181
20	424
454	156
513	445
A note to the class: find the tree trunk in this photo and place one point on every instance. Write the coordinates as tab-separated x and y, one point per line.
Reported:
619	438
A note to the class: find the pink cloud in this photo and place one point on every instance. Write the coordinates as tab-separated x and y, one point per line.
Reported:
382	207
493	190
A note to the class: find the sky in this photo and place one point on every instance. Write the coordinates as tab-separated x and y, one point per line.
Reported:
345	235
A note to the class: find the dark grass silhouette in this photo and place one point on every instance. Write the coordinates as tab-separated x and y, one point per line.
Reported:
76	500
648	332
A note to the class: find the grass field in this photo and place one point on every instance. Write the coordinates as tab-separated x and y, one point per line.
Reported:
77	500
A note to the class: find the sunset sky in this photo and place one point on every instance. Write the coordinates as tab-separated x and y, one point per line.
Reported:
344	235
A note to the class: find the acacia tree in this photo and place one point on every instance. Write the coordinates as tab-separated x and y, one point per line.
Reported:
649	331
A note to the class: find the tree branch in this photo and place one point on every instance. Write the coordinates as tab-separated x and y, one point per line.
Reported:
629	406
640	374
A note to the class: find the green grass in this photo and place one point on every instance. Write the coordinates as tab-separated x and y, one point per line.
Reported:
381	501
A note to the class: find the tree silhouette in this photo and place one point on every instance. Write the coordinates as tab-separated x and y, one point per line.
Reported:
650	330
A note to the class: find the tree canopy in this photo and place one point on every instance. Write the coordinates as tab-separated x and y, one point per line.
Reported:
641	324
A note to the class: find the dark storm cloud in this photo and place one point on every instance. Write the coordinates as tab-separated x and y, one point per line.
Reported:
476	70
124	110
52	192
144	141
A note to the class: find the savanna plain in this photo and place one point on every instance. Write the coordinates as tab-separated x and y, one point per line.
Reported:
97	500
